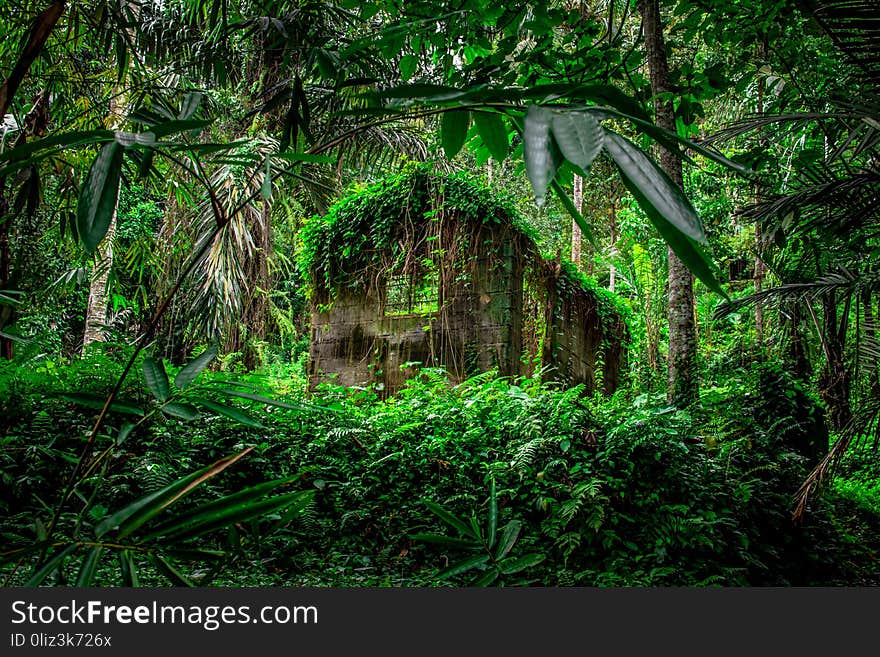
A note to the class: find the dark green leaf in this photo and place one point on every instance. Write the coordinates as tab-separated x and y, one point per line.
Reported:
516	564
89	565
98	196
493	513
156	378
272	402
450	519
486	578
192	369
128	568
189	105
173	574
447	541
655	188
64	140
408	65
143	509
266	187
96	401
537	154
51	565
182	411
453	131
508	537
221	506
230	412
579	137
463	566
203	521
493	132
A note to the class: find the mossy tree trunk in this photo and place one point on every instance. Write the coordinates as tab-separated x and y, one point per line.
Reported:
683	384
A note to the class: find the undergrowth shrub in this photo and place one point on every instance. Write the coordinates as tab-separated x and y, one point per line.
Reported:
613	492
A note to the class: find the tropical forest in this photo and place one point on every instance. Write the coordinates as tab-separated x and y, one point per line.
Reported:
440	293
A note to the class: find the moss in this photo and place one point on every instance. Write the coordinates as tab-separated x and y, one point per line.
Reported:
362	233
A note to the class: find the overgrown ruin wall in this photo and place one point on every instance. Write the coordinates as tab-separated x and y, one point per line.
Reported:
487	300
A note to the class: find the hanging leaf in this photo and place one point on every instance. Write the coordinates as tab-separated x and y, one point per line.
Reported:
453	131
192	369
231	413
190	104
266	188
493	132
98	196
156	378
408	65
182	411
665	198
143	509
579	137
540	167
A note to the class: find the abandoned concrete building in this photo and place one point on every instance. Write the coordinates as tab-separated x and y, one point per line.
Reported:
431	270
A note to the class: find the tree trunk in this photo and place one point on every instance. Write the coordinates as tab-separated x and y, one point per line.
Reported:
612	228
576	237
834	383
683	384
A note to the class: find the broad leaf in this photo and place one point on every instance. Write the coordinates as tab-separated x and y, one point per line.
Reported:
192	369
143	509
55	562
655	188
220	506
99	195
486	578
98	402
463	566
182	411
447	541
579	137
516	564
493	513
451	519
493	132
230	412
89	566
203	522
271	402
156	378
540	167
508	537
453	131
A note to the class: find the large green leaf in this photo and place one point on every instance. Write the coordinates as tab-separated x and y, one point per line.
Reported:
64	140
203	522
508	537
55	562
493	513
493	132
96	401
219	506
230	412
655	188
192	369
516	564
453	131
134	515
463	566
579	137
540	167
182	411
451	519
98	196
89	566
486	578
156	378
447	541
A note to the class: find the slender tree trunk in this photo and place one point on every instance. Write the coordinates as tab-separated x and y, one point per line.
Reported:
576	237
683	384
835	383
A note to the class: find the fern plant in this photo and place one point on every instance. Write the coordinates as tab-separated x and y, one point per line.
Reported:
491	550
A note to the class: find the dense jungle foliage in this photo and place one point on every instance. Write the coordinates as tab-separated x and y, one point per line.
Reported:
179	177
